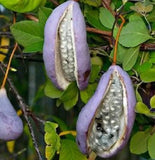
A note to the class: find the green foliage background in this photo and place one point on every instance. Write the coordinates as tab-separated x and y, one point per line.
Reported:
60	109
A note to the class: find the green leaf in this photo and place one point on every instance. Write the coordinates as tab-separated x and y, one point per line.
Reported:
70	151
138	96
88	92
39	94
152	60
44	13
50	126
52	139
96	60
49	152
152	57
70	96
29	34
106	18
151	16
37	47
58	102
130	58
134	33
138	143
95	3
62	125
148	76
144	67
135	17
69	104
51	91
152	102
69	92
22	6
94	73
92	16
151	146
121	53
143	109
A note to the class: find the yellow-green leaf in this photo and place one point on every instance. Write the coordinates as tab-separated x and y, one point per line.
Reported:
143	109
49	152
51	91
69	151
148	76
138	143
152	102
52	139
22	6
95	3
88	92
70	96
10	146
151	146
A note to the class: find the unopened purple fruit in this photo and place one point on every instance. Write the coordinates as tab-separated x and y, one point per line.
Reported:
11	125
65	53
105	123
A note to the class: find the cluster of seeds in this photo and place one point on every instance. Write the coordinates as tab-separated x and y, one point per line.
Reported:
106	126
66	45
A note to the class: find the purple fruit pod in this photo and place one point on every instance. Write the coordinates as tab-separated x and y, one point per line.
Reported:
105	123
11	126
65	51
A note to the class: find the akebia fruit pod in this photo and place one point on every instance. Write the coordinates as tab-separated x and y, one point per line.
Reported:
11	125
105	123
65	52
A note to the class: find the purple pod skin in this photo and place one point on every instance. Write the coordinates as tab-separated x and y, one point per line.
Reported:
11	126
100	108
65	52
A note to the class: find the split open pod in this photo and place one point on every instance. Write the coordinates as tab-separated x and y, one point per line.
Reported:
11	125
105	123
65	52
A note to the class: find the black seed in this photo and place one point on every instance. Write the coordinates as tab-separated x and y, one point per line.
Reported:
111	136
106	114
99	128
104	132
98	119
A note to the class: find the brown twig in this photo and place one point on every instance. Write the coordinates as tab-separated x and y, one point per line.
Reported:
106	4
55	2
31	17
14	17
8	67
117	39
94	30
147	47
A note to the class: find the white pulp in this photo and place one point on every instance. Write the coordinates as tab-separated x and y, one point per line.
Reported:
66	45
108	124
